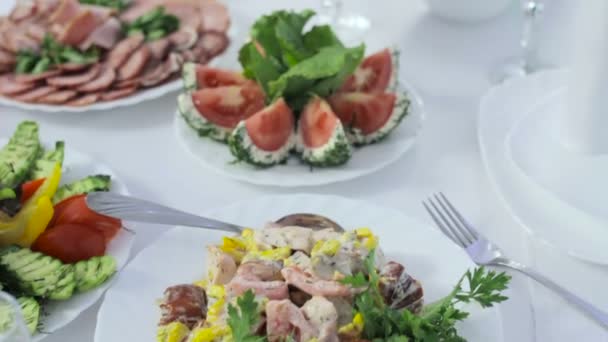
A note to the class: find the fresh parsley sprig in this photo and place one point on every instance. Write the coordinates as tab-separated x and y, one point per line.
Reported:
243	317
437	321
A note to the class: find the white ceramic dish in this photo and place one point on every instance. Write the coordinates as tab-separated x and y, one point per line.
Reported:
129	311
58	314
537	209
368	159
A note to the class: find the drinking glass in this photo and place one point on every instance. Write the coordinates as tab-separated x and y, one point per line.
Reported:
526	62
350	27
12	325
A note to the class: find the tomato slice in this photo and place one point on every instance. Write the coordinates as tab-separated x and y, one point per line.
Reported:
208	77
29	188
74	210
271	127
226	106
373	75
317	123
71	243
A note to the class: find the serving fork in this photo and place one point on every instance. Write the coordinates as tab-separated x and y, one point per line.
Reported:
485	253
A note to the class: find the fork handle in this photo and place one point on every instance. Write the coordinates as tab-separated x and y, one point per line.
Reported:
582	304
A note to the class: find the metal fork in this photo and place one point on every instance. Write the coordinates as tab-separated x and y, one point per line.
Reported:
486	253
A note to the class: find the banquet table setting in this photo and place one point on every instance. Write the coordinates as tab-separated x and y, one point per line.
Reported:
494	110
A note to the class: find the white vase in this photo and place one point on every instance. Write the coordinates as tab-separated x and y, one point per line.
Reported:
468	11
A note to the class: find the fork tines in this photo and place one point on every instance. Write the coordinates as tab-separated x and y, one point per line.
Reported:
450	221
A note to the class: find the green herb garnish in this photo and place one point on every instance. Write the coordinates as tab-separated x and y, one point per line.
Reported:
116	4
288	62
243	318
52	53
154	24
437	321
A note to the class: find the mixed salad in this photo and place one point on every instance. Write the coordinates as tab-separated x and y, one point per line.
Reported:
300	92
300	284
52	246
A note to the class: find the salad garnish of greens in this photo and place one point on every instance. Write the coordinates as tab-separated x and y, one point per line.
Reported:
53	53
299	284
290	63
153	25
52	246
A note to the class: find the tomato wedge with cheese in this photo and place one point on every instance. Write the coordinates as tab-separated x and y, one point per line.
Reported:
226	106
208	77
375	74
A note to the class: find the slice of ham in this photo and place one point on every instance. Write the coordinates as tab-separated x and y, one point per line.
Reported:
215	17
35	94
30	78
104	80
213	43
121	52
65	11
75	79
46	6
17	40
283	318
100	12
9	86
159	48
22	11
72	67
118	93
163	71
36	32
84	100
105	35
7	57
6	68
187	12
135	64
183	38
58	97
78	28
312	285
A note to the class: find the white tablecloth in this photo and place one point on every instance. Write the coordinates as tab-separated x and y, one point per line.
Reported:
449	64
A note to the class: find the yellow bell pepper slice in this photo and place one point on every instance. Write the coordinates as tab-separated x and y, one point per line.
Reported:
18	229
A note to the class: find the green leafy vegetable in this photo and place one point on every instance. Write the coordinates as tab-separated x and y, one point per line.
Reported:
116	4
288	62
154	24
52	53
242	319
437	321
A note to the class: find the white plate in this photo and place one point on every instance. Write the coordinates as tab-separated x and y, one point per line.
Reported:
129	311
141	95
365	160
58	314
537	209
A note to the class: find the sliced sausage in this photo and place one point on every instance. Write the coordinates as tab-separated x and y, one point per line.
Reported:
105	35
72	67
7	57
84	100
6	68
9	86
36	31
35	94
184	38
117	94
22	11
134	82
135	64
121	52
58	97
79	28
213	43
159	48
162	72
101	82
183	303
29	78
75	80
66	10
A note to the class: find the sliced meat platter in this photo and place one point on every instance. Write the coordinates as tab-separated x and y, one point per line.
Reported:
73	53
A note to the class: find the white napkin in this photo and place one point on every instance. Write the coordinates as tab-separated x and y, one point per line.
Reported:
585	123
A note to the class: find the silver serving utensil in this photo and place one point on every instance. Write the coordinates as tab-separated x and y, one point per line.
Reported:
483	252
133	209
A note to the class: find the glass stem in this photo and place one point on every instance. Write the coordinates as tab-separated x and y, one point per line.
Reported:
532	9
332	10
